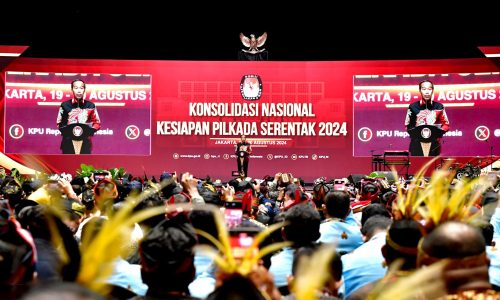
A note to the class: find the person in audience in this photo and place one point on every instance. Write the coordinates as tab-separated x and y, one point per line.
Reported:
293	194
51	237
401	244
493	255
167	259
251	287
203	219
366	263
302	228
61	290
466	273
374	209
125	280
17	256
335	228
329	291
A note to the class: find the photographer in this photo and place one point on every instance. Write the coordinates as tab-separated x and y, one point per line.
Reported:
11	192
53	191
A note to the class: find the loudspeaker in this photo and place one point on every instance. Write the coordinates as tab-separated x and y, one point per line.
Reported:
355	179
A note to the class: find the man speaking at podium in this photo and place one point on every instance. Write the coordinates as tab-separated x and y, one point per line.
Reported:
243	150
77	120
426	122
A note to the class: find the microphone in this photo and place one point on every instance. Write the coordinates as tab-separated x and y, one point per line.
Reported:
491	147
372	151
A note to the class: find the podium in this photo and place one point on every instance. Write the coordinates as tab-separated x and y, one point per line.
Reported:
243	151
77	132
425	135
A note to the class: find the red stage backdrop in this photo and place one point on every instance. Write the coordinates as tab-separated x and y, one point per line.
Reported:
301	117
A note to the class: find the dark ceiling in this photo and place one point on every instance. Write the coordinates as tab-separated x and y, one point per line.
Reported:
211	32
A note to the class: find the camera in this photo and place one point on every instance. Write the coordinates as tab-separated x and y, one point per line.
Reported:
167	174
99	176
285	179
88	199
233	213
218	186
241	239
339	185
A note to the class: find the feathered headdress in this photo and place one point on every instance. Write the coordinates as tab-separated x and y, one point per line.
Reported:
444	202
439	200
408	201
313	272
224	257
99	253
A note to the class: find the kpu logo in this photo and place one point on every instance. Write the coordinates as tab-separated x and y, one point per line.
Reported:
251	87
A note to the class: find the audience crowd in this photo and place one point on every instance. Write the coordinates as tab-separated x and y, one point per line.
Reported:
120	236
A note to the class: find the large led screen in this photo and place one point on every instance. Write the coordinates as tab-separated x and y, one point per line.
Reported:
471	102
33	100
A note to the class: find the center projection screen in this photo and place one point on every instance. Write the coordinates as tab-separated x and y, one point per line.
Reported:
300	117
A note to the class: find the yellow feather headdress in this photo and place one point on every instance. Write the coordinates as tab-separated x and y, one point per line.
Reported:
440	200
313	272
224	257
99	253
408	200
